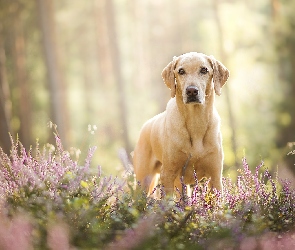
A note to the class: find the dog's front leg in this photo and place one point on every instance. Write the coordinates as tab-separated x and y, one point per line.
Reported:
212	168
167	178
216	183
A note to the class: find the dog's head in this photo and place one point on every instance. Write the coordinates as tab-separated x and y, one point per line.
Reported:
194	76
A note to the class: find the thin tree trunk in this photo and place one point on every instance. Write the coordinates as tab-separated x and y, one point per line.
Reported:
117	71
141	50
88	87
5	105
275	6
56	78
103	48
22	83
160	92
224	59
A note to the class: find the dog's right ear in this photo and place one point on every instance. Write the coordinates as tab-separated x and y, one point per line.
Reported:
220	75
169	78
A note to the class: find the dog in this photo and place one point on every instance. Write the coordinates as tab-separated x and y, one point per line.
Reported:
185	138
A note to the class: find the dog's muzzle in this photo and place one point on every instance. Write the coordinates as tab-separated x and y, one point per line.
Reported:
192	94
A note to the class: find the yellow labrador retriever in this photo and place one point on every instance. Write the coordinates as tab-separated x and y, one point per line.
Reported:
186	137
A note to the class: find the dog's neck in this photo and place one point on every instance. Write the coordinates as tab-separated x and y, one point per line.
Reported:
197	117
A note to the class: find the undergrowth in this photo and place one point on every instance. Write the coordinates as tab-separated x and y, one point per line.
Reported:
49	201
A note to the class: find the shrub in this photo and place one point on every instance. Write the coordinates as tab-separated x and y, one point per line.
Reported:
48	201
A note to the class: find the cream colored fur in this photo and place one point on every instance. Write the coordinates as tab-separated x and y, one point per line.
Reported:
185	131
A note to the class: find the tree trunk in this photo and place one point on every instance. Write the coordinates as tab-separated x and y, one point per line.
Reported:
56	78
103	48
5	105
285	43
275	5
24	104
117	71
224	60
140	52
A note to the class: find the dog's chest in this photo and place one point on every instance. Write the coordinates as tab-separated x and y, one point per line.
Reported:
191	144
195	148
192	133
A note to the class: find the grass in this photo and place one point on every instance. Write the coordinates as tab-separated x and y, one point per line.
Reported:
49	201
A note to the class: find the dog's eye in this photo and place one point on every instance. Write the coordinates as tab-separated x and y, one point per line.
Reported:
204	70
181	71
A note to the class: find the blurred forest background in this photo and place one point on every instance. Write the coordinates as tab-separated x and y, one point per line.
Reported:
94	68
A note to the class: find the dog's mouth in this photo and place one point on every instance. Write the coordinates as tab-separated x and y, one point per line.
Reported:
193	100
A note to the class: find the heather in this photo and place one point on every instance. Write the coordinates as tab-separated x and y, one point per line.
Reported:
49	200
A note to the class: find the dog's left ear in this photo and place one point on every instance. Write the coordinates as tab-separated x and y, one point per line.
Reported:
220	75
169	78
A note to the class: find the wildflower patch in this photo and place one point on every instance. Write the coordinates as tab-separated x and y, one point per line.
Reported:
49	201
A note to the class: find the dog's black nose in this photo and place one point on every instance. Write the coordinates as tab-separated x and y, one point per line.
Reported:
192	91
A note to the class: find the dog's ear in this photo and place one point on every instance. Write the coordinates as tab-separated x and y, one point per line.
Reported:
168	76
220	75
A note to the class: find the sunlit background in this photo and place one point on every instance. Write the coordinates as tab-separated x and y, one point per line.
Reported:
94	68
